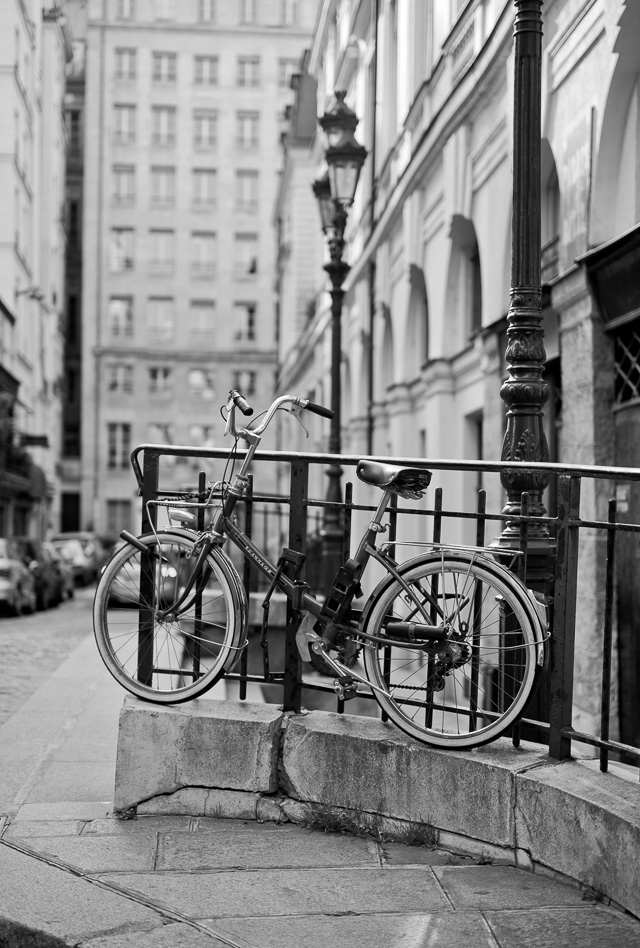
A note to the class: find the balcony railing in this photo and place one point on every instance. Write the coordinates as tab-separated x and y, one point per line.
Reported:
292	519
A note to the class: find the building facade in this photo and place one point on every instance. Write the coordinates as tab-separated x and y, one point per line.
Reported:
424	321
35	44
183	109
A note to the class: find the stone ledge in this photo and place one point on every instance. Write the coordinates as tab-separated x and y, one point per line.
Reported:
205	743
500	803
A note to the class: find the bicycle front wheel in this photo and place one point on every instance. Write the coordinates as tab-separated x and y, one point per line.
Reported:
157	652
477	683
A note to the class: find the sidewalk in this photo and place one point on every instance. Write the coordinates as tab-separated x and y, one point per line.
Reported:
68	868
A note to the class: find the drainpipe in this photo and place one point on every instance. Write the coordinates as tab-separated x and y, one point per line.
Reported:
372	262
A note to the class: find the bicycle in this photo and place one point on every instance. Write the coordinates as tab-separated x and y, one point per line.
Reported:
451	640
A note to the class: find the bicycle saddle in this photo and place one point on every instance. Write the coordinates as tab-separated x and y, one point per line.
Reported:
409	482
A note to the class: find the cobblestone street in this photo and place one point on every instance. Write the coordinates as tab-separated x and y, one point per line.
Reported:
33	646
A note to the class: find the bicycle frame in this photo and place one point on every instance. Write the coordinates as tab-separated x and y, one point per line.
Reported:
303	600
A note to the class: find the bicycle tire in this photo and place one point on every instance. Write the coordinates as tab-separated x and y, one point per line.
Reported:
155	654
481	680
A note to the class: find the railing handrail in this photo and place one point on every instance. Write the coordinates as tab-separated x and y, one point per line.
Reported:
351	460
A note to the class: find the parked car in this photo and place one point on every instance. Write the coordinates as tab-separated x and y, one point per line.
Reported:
17	581
43	569
95	553
72	552
64	569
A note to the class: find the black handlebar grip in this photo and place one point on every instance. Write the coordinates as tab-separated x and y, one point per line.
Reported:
240	402
319	410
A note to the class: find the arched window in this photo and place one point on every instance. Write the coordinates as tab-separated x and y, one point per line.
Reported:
464	285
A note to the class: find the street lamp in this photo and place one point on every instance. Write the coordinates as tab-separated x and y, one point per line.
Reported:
335	192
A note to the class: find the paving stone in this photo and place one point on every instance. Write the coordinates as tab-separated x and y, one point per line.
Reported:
73	780
72	810
589	927
252	848
395	854
172	935
58	902
144	824
204	824
364	931
497	887
98	853
288	891
27	828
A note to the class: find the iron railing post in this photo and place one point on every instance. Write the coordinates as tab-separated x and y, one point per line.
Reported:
564	617
299	484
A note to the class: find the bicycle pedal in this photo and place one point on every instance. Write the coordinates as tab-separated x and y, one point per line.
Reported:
345	688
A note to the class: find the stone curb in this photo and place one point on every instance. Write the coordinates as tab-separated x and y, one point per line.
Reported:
499	803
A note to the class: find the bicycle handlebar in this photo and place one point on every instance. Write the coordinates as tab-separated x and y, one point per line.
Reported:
240	402
237	400
319	409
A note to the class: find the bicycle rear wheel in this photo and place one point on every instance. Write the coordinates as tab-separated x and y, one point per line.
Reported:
160	654
479	682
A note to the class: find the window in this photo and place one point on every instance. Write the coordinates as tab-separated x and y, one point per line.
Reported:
121	317
120	378
123	184
248	11
200	384
247	191
244	381
245	256
160	380
286	69
205	128
73	131
201	321
118	516
124	124
163	186
289	12
204	187
244	321
119	445
163	125
207	11
206	71
165	9
164	67
125	64
160	319
248	71
203	254
121	249
125	9
247	129
161	251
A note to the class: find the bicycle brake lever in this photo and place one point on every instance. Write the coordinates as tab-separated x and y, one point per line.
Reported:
296	410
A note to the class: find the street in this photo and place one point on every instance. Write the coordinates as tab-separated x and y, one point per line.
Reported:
32	647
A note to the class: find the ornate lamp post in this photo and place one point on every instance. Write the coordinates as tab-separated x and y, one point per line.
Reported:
335	193
524	392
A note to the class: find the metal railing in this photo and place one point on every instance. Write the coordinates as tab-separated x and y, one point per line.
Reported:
291	518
